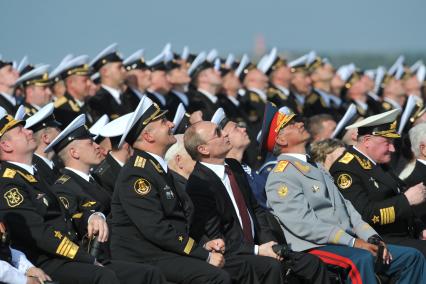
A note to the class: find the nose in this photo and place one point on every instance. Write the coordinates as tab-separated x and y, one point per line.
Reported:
391	148
47	91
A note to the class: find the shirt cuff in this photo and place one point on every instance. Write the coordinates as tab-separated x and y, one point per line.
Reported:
352	242
97	214
256	249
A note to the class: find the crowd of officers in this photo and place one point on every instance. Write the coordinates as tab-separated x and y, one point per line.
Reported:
193	168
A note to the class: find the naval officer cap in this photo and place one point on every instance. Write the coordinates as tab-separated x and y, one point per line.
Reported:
350	116
55	75
5	63
76	66
106	56
274	62
20	113
170	61
299	64
8	122
39	76
219	118
181	120
199	64
157	63
115	129
135	61
146	112
42	119
382	124
97	127
76	130
244	67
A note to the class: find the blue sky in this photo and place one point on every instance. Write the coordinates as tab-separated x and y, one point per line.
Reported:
46	30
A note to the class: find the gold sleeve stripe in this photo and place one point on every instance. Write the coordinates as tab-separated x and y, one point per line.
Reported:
188	246
337	237
67	248
77	215
387	215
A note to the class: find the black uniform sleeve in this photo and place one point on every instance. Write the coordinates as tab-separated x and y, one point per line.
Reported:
23	221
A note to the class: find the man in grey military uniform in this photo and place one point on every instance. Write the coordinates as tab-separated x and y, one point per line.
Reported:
317	219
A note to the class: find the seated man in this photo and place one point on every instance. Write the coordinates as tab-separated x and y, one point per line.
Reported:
151	216
225	206
377	193
39	225
316	218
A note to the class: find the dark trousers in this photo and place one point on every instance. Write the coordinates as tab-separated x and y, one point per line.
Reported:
115	272
408	242
185	270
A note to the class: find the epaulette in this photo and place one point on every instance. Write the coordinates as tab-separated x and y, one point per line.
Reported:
63	179
74	106
139	162
9	173
303	168
102	168
365	163
275	92
157	166
346	158
254	97
60	101
28	177
312	98
281	166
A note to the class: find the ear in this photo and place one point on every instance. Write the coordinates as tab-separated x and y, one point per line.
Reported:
281	140
73	152
45	138
6	147
148	137
203	149
178	161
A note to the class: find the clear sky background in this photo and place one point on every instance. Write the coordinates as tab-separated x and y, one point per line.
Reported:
46	30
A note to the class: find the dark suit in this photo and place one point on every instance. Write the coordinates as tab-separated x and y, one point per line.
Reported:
418	175
130	100
67	109
377	194
156	100
10	108
173	102
199	101
151	218
44	171
106	173
232	111
215	217
104	103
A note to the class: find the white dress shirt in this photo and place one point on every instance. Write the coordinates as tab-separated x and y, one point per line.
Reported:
46	160
211	97
116	94
160	160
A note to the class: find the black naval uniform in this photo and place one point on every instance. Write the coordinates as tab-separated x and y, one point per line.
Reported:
67	109
150	223
7	105
104	103
417	176
106	173
377	194
44	171
130	100
199	101
41	228
29	109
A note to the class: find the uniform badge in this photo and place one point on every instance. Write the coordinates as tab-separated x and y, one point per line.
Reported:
142	186
169	192
282	190
58	235
281	166
344	181
13	197
65	202
375	219
315	188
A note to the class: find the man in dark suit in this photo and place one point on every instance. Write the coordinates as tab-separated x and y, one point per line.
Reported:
108	100
383	200
151	217
75	75
226	208
8	77
45	128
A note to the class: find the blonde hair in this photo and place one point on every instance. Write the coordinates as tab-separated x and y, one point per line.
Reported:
320	149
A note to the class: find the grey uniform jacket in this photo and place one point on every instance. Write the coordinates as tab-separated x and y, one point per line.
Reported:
311	210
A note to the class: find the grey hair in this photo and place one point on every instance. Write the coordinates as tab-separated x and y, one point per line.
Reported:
417	136
175	149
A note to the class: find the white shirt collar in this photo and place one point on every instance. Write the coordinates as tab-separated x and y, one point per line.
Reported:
301	157
160	160
374	96
299	98
46	160
211	97
79	103
28	168
10	98
371	160
422	161
116	94
336	100
160	97
139	94
85	176
117	160
182	96
362	105
219	170
261	93
233	100
283	89
325	96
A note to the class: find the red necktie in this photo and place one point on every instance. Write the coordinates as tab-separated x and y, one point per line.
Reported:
242	207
